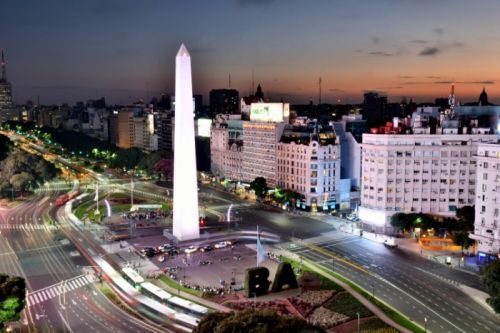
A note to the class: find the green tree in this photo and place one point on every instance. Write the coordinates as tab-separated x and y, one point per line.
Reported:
12	296
259	185
402	221
148	162
491	279
250	321
461	238
466	216
128	158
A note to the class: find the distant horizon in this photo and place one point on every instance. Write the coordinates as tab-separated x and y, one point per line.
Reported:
130	96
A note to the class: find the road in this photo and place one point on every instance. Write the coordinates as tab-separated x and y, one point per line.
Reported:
417	287
61	298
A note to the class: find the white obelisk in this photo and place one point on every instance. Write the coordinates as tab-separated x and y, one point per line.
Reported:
186	216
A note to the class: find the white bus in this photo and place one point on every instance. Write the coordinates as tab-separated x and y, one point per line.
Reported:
188	306
132	276
155	291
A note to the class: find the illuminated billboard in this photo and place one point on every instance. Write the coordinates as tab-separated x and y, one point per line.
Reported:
269	112
204	126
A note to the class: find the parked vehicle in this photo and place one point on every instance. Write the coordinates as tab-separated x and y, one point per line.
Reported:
221	245
191	249
207	248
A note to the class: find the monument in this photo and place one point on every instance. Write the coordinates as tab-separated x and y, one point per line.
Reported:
186	216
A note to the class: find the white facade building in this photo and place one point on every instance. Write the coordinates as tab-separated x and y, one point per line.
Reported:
144	133
260	141
428	173
226	147
309	164
487	220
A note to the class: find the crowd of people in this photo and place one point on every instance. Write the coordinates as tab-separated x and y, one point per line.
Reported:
222	290
139	215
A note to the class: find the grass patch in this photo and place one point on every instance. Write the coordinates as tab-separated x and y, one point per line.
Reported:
389	311
120	208
376	325
346	304
174	284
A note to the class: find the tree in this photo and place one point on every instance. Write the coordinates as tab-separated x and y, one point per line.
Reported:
148	162
165	168
466	216
462	239
12	296
250	321
128	158
259	185
491	279
402	221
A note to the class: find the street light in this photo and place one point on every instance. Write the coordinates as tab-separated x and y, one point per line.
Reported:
357	313
425	324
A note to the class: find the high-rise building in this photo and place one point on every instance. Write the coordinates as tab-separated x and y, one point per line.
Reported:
374	109
487	219
419	172
7	110
5	88
224	101
260	139
164	129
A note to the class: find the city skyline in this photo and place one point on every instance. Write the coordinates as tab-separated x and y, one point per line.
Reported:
122	50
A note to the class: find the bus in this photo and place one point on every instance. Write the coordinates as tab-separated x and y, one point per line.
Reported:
133	276
156	291
187	306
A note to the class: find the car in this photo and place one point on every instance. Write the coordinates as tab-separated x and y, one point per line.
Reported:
165	247
172	252
191	249
207	248
221	245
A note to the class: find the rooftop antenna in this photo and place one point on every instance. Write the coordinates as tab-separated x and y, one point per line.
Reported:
4	70
229	80
451	100
253	84
319	91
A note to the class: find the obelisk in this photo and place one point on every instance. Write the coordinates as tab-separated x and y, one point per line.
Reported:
186	216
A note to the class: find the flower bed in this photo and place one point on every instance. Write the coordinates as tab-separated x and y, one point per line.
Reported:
315	297
326	318
277	306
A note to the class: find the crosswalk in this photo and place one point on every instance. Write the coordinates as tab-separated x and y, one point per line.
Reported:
27	227
54	291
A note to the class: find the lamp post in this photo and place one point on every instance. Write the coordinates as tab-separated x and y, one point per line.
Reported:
425	324
357	313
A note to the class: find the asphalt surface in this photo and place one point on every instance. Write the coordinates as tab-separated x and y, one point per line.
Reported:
61	298
419	288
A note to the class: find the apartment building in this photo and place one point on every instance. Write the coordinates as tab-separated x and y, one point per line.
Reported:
308	163
487	221
428	173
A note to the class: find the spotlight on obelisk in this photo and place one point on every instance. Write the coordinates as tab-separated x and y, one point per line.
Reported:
186	216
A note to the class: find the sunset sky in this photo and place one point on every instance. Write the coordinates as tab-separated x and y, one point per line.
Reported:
122	49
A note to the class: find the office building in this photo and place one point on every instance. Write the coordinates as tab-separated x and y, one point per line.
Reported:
224	101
